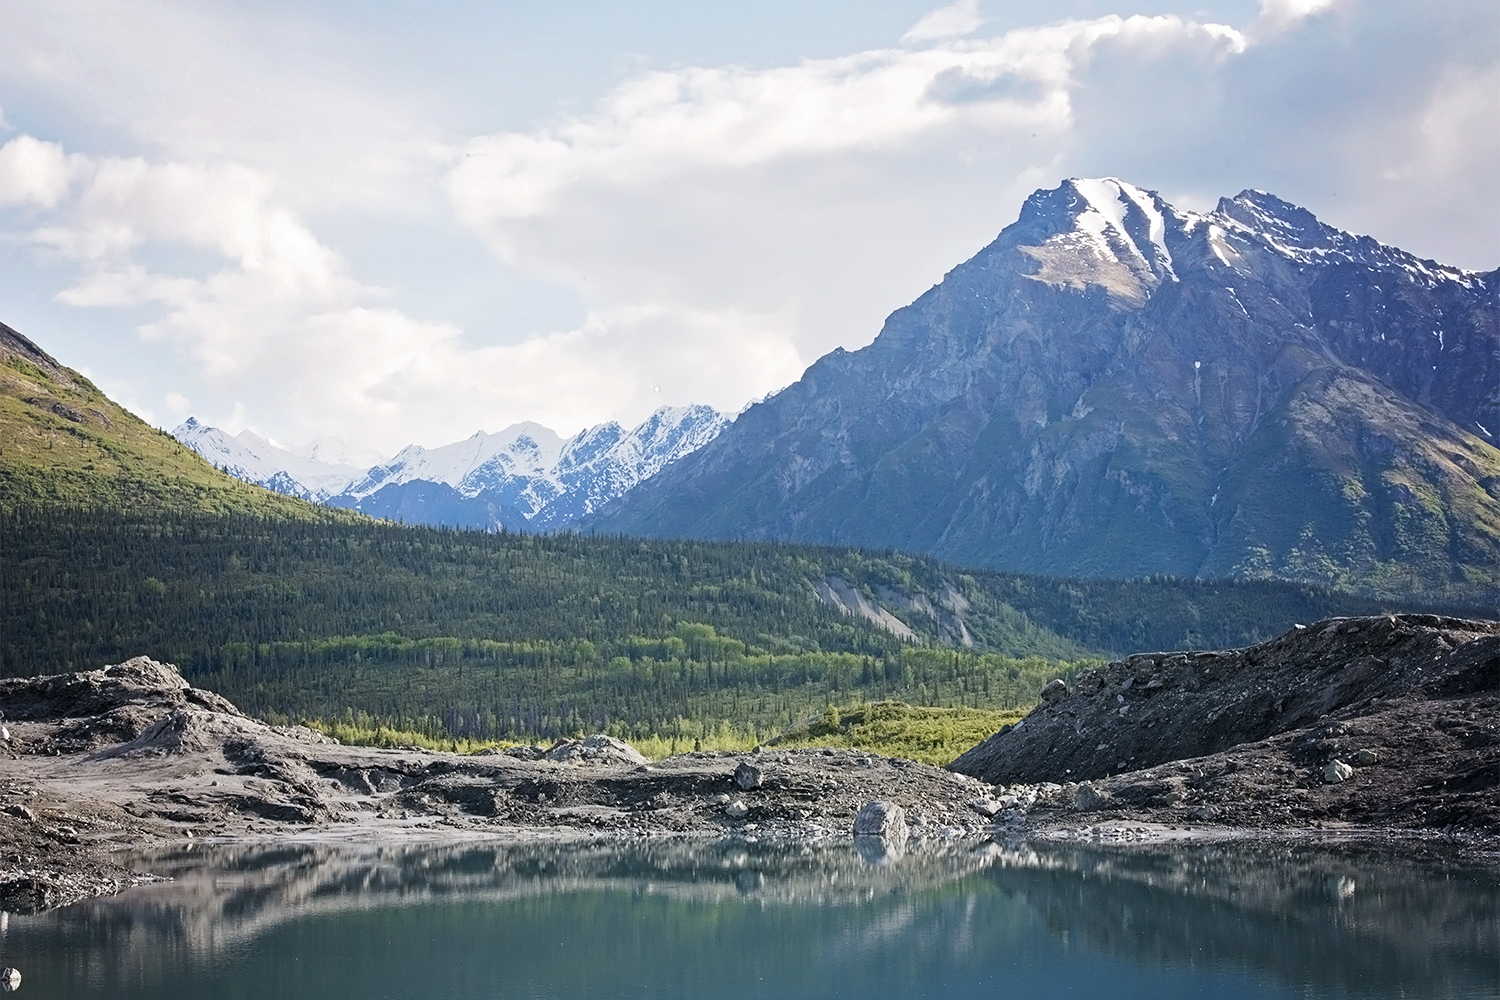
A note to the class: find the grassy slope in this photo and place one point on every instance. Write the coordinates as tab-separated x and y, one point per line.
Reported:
63	443
931	735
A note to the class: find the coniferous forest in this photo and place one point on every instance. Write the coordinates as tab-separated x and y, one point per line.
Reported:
534	636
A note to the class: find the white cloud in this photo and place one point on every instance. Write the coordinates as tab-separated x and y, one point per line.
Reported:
953	21
830	192
1279	17
196	81
1461	125
280	320
607	369
33	172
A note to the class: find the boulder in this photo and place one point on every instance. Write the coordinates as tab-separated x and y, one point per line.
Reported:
1054	690
1088	798
881	819
748	776
596	749
1366	757
1337	771
737	810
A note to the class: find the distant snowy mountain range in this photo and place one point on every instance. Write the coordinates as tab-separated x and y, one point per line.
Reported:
525	476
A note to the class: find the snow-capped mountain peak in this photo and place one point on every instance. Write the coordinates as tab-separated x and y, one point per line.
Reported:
1106	233
471	465
1103	232
1299	235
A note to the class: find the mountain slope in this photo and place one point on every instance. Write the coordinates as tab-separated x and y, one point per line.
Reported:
1117	388
64	444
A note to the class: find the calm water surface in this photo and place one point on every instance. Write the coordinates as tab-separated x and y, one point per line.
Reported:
729	921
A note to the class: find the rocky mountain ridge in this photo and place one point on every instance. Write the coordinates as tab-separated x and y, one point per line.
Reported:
1116	387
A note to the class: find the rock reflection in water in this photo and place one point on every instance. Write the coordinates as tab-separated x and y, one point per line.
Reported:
682	918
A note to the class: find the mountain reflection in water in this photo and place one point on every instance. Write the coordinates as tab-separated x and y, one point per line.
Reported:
693	919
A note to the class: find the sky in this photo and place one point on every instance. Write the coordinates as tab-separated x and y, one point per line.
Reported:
384	222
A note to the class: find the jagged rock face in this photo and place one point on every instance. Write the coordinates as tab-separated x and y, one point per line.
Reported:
1115	387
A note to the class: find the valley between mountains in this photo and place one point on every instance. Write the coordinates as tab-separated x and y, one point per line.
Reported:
1142	523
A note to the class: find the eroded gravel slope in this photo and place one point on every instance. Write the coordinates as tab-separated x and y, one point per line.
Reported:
1406	705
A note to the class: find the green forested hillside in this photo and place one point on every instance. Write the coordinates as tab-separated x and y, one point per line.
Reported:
483	635
491	635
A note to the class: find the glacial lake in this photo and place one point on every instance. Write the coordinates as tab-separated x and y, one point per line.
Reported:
725	920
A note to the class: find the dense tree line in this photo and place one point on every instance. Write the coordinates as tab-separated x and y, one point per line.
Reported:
512	634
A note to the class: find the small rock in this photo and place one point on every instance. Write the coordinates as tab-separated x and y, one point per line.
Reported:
721	799
1088	798
986	807
736	810
1337	771
1366	757
1203	813
1054	690
747	776
881	819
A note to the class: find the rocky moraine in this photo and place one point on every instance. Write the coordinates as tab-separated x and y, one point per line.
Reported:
1379	727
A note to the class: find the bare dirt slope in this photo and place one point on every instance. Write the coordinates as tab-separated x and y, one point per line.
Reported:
1387	721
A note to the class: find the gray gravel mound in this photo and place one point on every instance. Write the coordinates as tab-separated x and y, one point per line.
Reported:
140	681
1154	708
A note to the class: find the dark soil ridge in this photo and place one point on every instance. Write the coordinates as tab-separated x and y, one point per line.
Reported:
1249	736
